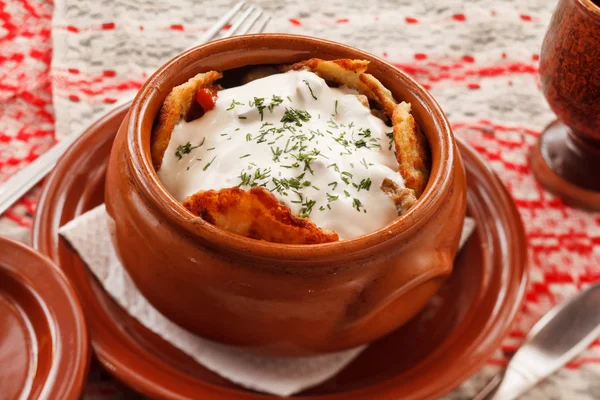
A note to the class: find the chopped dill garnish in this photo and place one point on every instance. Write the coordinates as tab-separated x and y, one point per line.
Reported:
360	143
309	88
366	133
186	149
252	180
292	115
390	135
275	101
307	158
364	184
356	204
307	206
233	104
209	164
331	197
335	167
259	102
276	153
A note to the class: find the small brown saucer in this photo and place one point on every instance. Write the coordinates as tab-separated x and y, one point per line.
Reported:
44	348
435	352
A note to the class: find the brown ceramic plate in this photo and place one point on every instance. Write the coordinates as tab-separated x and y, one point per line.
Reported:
44	347
426	358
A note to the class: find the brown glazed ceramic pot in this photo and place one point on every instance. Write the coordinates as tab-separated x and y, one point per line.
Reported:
567	159
272	298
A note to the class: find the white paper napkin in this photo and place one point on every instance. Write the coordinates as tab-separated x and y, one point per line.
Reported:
89	235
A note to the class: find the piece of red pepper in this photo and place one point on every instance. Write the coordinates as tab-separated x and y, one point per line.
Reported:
206	97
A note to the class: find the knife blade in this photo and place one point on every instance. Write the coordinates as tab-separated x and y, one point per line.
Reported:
563	333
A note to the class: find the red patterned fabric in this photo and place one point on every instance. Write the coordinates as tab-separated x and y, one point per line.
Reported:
26	113
489	91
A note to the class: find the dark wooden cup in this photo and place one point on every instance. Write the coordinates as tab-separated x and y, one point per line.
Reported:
567	159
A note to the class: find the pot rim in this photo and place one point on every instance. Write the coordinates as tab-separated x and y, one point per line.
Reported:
402	229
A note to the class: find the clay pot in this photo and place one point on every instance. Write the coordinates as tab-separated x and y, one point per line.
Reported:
272	298
567	159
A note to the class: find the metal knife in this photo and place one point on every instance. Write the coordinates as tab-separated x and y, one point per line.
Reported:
567	330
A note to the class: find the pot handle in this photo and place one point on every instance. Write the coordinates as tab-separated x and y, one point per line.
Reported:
401	290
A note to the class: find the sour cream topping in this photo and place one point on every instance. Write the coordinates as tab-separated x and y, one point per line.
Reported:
318	149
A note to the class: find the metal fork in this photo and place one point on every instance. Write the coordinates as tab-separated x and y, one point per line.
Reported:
243	18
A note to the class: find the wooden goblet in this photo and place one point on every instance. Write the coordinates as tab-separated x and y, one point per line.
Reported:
567	158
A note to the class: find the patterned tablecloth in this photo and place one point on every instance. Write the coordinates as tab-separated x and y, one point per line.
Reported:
63	63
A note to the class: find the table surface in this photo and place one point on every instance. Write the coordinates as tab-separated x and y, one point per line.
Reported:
64	62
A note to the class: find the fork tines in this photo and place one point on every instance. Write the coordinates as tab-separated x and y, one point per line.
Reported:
242	18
